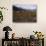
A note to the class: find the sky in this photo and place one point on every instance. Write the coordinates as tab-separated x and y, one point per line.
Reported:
27	6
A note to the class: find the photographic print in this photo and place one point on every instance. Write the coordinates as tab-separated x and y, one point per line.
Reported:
24	13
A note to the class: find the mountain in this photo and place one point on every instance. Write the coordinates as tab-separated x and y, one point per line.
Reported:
22	9
17	8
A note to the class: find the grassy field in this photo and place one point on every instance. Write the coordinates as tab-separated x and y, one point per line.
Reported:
24	16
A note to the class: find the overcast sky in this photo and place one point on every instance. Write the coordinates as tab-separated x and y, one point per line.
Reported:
27	6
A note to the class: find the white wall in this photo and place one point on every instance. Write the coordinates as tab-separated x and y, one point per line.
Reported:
23	29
